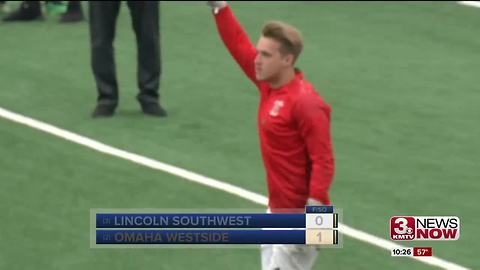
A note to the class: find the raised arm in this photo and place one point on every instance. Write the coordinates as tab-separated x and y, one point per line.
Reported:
234	38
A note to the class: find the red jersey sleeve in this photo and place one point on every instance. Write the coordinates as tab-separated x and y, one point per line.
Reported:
236	41
313	119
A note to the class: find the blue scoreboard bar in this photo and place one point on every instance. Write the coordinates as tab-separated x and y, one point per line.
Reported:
317	226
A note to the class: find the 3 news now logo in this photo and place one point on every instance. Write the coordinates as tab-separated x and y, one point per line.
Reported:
424	228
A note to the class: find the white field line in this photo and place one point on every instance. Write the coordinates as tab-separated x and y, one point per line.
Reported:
203	180
470	3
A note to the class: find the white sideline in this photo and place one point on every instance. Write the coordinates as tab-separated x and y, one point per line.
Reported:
470	3
203	180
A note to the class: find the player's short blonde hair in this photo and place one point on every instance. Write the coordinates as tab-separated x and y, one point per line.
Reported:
289	37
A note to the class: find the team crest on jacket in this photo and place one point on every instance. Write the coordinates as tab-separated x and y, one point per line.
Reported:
277	105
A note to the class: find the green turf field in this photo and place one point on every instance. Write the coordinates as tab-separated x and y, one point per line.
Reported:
402	80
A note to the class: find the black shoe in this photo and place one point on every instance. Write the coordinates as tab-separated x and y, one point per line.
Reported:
26	12
153	109
104	110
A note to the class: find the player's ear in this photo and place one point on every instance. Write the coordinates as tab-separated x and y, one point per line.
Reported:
288	59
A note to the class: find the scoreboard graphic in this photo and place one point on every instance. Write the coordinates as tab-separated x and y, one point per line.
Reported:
317	225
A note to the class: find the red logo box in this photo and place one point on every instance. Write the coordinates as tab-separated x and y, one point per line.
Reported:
402	228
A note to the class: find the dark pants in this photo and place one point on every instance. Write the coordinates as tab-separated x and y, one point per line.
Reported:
145	21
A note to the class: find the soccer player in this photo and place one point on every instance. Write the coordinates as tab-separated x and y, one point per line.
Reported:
293	125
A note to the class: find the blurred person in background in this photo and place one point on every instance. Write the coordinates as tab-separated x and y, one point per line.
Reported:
4	8
145	22
32	10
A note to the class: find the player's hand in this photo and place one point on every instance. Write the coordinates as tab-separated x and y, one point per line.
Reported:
312	201
217	5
